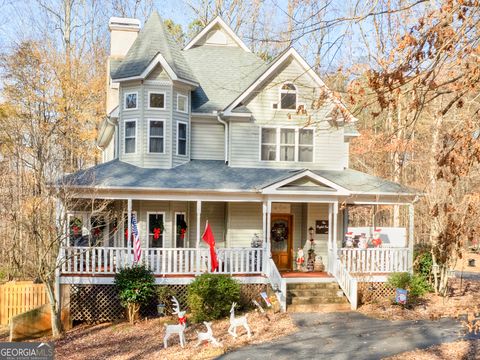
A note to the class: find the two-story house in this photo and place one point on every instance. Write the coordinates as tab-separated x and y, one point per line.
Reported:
212	132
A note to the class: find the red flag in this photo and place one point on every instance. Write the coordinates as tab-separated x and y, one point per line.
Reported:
210	240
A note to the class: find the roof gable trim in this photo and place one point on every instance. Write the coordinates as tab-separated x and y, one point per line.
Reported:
210	26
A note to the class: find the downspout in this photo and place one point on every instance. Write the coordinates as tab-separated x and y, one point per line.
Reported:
221	121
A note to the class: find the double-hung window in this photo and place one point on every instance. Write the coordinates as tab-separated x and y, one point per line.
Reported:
156	229
181	138
130	136
287	144
156	136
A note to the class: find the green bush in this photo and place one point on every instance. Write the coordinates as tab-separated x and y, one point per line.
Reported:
423	262
415	284
164	296
136	287
211	296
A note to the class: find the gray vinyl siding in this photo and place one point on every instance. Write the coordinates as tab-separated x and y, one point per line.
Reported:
180	117
245	137
124	115
207	140
244	220
214	212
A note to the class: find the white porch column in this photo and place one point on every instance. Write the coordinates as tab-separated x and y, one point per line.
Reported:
129	229
335	226
199	215
269	225
330	226
411	240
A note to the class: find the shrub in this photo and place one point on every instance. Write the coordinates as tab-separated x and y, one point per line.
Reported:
423	262
416	284
136	287
164	296
211	296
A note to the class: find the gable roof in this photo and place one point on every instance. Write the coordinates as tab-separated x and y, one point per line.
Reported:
217	21
223	72
153	44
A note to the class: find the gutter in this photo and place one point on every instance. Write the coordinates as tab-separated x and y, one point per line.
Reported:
221	121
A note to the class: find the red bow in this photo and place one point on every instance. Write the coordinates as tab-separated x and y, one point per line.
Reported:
75	229
126	233
182	320
182	233
156	233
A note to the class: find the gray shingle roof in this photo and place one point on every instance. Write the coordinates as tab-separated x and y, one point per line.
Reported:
215	175
224	73
153	39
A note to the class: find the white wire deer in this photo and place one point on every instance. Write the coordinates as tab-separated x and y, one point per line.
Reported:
235	322
207	336
177	328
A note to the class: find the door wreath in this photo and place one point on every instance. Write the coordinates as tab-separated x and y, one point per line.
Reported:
279	232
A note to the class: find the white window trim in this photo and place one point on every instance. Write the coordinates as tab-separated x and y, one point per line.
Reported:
125	136
125	100
277	144
281	91
148	136
186	139
186	104
148	228
164	100
175	228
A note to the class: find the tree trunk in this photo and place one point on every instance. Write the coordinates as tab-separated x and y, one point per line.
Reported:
56	311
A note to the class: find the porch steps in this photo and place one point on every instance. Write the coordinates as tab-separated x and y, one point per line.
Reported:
316	297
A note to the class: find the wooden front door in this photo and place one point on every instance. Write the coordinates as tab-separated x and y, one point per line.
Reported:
281	240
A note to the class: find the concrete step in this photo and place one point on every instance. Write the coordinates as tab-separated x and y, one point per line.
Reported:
312	286
321	308
315	292
317	300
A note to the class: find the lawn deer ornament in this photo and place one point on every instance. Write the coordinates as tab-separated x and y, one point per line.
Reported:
178	328
235	322
207	336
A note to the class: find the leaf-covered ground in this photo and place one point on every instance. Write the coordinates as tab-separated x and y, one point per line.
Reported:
459	350
144	340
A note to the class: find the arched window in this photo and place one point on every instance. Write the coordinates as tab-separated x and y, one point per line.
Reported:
288	96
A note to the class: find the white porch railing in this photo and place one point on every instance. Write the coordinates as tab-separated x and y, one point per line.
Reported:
375	260
278	283
348	283
162	261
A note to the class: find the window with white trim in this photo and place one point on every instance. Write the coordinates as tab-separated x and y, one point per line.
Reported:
288	96
287	144
156	100
156	229
130	136
156	136
180	229
181	138
131	101
182	103
269	144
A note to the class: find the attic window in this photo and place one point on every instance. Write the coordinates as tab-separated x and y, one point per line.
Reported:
288	97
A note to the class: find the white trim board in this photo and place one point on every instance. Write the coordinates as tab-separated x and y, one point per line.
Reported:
217	21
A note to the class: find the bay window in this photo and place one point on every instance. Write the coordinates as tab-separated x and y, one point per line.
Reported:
156	136
181	138
130	136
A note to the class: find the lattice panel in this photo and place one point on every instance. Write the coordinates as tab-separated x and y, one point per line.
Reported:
373	291
100	303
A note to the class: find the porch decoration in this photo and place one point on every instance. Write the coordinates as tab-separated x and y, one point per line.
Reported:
311	252
207	336
279	232
319	266
176	329
210	240
349	239
300	260
76	226
182	229
236	322
157	227
363	241
376	241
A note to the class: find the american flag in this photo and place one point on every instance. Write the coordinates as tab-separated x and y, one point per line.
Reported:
137	250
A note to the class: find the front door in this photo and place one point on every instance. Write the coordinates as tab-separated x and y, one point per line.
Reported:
281	239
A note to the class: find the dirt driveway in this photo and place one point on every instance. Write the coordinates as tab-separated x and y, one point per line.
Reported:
352	335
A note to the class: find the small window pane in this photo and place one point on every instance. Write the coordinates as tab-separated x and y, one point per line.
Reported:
129	146
268	152
182	147
155	230
288	87
131	101
287	136
157	100
288	101
182	103
156	128
130	128
181	230
156	145
269	136
287	153
306	137
182	131
305	153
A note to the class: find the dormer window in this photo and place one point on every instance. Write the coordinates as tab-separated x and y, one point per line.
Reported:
131	101
288	97
156	100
